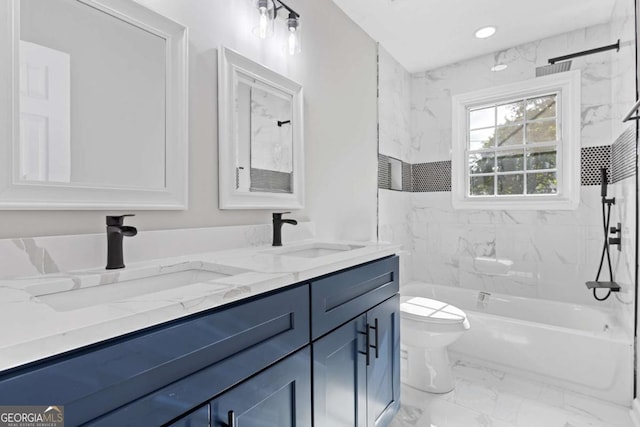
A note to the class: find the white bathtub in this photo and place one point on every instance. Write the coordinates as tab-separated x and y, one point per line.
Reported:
581	348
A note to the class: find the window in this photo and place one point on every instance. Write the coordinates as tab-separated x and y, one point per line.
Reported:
517	146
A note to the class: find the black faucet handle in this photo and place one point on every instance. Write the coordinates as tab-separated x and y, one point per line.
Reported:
278	215
117	220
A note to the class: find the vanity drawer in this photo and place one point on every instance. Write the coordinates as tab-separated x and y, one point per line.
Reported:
341	297
221	347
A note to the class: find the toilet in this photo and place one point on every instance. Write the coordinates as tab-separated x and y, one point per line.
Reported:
427	328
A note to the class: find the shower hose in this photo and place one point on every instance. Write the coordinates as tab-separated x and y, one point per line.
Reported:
606	216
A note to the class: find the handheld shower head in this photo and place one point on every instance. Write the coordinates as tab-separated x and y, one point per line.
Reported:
603	182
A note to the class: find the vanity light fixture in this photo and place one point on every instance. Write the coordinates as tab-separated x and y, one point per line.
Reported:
268	13
499	67
485	32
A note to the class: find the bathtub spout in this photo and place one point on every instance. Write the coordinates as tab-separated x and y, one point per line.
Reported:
483	298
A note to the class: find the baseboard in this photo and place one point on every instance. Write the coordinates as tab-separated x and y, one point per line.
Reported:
635	413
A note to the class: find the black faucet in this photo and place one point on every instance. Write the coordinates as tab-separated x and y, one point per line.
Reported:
277	227
115	231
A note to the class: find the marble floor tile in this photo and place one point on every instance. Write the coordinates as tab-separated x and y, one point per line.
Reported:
486	397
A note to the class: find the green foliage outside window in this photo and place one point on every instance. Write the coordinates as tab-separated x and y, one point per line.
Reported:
513	148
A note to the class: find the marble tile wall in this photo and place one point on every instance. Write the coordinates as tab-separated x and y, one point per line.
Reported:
272	142
431	90
394	108
544	254
394	140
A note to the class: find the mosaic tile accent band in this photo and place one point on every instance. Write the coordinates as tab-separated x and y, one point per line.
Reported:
430	177
271	181
384	172
619	159
407	176
623	156
591	160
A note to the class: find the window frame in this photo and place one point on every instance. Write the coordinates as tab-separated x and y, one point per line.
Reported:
567	87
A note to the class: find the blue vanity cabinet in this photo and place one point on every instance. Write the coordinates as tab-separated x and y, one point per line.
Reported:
322	353
197	418
153	376
279	396
356	366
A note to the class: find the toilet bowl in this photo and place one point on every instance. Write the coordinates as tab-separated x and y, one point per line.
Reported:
427	327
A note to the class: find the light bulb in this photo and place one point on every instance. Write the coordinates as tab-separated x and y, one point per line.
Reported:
264	21
293	25
292	41
263	24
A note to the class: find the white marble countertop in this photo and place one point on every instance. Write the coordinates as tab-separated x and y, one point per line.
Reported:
40	319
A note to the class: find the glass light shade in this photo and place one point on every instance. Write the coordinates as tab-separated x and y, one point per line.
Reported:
264	19
293	36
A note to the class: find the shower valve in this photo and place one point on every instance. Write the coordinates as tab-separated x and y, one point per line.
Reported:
618	239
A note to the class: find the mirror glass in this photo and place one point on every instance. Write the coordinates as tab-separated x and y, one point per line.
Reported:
265	143
260	144
92	101
97	117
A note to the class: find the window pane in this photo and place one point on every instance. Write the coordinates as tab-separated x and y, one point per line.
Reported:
510	184
483	118
542	107
479	139
510	113
509	135
542	183
512	160
544	131
481	186
542	158
481	163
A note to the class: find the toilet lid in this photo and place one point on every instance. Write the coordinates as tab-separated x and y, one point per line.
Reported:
430	310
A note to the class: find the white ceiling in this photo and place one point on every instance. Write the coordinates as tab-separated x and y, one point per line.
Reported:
426	34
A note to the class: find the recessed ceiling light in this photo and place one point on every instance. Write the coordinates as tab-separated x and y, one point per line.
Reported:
499	67
485	32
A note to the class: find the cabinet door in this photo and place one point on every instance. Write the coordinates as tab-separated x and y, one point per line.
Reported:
339	377
383	372
279	396
198	418
340	297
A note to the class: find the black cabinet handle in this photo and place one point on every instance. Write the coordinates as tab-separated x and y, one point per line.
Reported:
366	344
231	419
376	346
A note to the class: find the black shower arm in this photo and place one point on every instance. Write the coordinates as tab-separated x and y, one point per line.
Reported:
630	115
586	52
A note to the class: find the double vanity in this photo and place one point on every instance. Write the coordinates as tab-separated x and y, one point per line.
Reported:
303	334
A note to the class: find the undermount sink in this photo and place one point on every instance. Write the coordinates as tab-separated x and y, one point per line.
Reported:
316	250
120	285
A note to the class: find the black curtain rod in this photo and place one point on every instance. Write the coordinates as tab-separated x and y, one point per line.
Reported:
586	52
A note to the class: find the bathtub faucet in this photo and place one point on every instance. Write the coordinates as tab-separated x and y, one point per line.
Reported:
482	298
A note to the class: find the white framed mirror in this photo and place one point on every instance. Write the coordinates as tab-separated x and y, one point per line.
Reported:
260	145
97	112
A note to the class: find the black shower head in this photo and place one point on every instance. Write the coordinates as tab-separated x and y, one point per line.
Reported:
603	182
